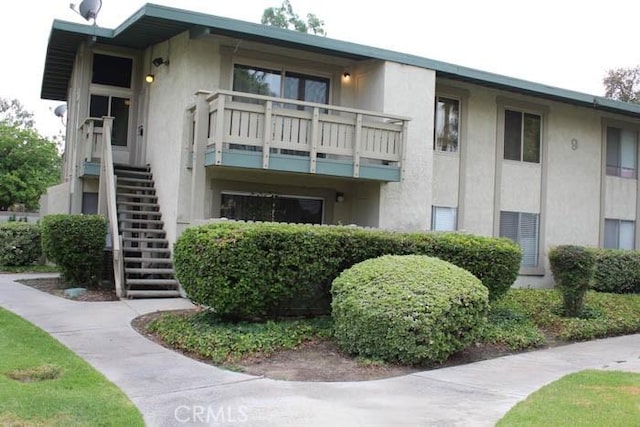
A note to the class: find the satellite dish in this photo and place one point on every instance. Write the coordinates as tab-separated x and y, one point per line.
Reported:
88	9
60	110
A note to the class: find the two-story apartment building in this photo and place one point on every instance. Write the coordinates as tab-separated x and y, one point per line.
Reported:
208	117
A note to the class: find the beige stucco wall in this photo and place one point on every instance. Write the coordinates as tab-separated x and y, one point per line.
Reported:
620	199
56	200
409	91
520	186
446	170
194	65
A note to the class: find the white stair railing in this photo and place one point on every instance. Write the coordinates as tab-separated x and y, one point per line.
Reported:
107	204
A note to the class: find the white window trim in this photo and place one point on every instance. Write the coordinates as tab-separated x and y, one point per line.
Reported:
459	99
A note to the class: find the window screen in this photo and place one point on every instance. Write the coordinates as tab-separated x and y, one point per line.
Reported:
619	234
443	218
522	228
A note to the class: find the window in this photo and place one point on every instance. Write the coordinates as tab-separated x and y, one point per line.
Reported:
444	219
522	228
271	207
522	135
619	234
118	108
446	125
622	152
278	83
111	70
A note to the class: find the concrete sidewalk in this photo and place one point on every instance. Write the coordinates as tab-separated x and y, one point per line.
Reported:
171	389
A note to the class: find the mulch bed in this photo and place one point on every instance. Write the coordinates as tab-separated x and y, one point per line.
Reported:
55	286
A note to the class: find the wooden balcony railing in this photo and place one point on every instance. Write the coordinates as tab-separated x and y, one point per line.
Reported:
265	132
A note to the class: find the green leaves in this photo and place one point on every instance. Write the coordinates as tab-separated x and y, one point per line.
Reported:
573	268
76	244
29	164
267	270
19	244
410	309
617	271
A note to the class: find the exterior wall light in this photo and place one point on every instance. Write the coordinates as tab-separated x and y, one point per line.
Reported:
339	197
346	76
149	78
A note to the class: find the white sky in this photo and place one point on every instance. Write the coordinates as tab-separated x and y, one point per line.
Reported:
564	43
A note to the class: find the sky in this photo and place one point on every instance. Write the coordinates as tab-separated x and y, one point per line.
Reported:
564	43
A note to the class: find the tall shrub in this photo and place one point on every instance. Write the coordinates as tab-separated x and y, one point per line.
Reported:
246	270
617	271
76	244
19	244
573	268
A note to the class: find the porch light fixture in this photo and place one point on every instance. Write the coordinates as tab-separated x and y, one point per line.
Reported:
346	75
149	78
159	61
339	197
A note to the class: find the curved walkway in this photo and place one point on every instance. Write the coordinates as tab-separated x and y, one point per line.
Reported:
171	389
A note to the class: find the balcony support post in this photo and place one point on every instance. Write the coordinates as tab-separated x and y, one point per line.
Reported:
357	141
315	132
268	134
198	172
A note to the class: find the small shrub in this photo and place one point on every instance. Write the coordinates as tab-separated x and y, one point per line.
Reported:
573	268
409	309
256	270
19	244
617	271
76	244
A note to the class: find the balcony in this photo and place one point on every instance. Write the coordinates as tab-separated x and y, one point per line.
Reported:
243	130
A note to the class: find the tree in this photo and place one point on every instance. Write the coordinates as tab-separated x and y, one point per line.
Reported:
12	112
285	17
623	84
29	163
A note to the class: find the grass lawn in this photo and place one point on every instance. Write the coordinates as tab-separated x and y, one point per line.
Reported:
588	398
43	383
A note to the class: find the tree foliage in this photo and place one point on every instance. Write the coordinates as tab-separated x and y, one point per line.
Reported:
285	17
13	113
623	84
29	163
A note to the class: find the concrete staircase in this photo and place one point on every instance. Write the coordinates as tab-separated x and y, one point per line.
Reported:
148	268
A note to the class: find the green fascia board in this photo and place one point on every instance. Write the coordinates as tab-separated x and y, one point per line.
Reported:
298	40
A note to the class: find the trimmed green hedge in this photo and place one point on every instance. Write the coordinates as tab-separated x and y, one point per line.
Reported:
617	271
409	309
572	268
76	244
19	244
257	270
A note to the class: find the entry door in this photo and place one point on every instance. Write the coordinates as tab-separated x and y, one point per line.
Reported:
119	108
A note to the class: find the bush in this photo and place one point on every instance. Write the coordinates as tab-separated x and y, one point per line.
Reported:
409	309
19	244
249	270
573	268
617	271
76	244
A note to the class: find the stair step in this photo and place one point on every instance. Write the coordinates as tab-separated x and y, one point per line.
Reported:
138	196
140	213
133	187
145	240
139	249
138	180
155	205
157	222
143	230
123	166
134	172
152	282
140	260
153	294
149	270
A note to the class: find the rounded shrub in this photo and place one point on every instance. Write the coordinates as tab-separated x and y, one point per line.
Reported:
409	309
572	267
19	244
76	244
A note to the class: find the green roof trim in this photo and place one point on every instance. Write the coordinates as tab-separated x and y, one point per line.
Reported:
153	23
